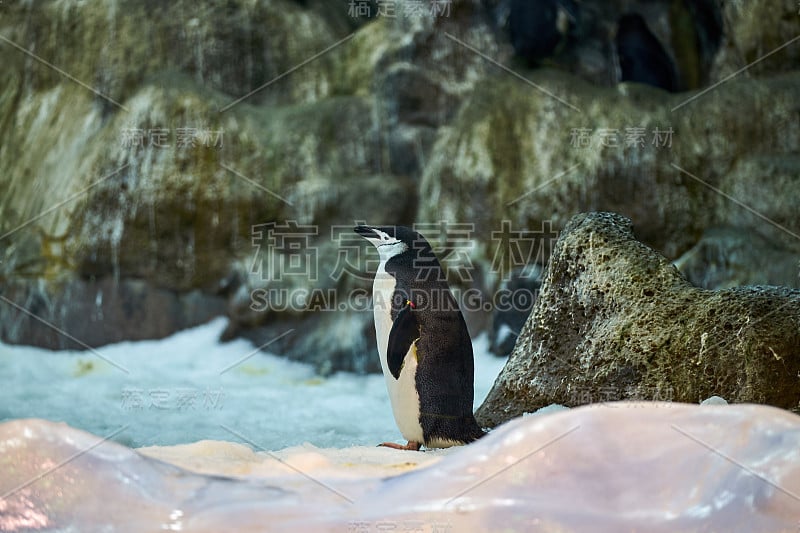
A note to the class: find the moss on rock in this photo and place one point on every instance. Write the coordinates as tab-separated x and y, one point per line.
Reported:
615	320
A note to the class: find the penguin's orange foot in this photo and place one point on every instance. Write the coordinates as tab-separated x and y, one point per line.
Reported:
413	446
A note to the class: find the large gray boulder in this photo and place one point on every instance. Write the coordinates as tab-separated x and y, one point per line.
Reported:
615	320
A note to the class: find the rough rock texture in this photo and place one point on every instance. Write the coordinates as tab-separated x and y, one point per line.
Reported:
689	31
616	320
632	467
106	192
746	40
515	154
226	46
761	190
103	184
729	257
384	120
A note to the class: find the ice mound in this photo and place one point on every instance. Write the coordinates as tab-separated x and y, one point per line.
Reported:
614	467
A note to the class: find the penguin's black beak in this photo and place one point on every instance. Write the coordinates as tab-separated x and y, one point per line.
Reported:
366	232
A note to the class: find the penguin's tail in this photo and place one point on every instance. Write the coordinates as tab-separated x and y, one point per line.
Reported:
473	431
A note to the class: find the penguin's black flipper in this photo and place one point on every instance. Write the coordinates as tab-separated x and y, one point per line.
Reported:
405	330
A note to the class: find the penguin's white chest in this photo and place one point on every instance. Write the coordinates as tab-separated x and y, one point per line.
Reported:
403	391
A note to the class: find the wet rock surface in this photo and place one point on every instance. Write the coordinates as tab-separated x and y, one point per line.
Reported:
616	320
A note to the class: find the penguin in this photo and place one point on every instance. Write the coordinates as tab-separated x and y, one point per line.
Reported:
539	29
423	343
642	58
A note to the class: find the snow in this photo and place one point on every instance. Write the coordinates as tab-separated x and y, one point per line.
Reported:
714	400
504	333
177	392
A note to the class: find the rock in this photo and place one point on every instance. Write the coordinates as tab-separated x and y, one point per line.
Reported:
750	191
330	340
527	474
178	219
616	321
753	31
642	58
413	97
697	31
114	52
99	312
730	257
138	198
513	303
540	29
181	219
516	156
691	32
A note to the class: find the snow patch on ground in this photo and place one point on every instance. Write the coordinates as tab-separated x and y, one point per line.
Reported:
178	391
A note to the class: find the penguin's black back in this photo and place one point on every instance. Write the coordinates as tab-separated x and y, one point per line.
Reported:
445	366
642	58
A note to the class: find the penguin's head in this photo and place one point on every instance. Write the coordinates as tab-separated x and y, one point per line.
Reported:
389	240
